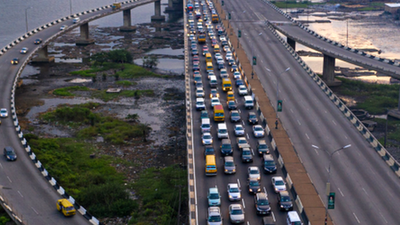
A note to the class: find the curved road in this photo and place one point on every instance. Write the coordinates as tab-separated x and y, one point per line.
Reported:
366	188
26	191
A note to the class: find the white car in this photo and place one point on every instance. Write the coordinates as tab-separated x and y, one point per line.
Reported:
239	130
231	61
243	90
236	213
63	27
215	101
3	112
237	75
220	61
207	139
223	73
234	192
226	48
24	50
200	104
210	74
228	55
214	216
199	92
278	184
241	141
217	55
253	172
258	131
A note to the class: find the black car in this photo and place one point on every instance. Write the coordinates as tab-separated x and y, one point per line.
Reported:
262	204
247	155
9	153
226	147
262	147
254	186
284	201
209	150
38	41
235	116
14	61
252	118
239	82
232	105
269	164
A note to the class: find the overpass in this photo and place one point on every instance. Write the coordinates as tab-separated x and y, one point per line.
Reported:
28	192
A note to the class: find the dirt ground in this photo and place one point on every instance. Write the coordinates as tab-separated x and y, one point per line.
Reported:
164	113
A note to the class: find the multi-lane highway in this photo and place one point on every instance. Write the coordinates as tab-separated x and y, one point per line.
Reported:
366	188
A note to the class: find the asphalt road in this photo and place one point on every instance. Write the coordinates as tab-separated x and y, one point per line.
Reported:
203	183
366	188
26	191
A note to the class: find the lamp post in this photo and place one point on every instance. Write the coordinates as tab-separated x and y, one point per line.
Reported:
239	31
328	185
26	18
252	53
70	7
277	84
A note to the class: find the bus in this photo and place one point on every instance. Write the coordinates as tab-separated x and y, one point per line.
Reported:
214	18
211	165
226	84
202	38
219	114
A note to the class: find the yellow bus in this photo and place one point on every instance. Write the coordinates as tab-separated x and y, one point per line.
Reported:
208	58
219	114
216	48
226	84
209	67
202	38
211	165
214	18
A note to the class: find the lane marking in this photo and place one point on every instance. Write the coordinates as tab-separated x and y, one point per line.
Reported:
252	151
243	123
248	223
383	217
20	194
307	136
341	193
238	181
365	191
34	210
291	110
244	206
316	151
356	218
326	111
345	137
1	165
327	169
273	216
334	122
247	136
240	111
298	121
9	179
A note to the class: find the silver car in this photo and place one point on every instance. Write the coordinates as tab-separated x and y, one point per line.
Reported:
241	142
234	192
207	139
3	112
239	130
229	165
253	172
278	184
214	216
236	213
258	131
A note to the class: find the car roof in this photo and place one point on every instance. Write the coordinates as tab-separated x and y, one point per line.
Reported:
229	158
213	190
253	168
233	185
262	141
261	195
277	178
284	193
236	206
268	157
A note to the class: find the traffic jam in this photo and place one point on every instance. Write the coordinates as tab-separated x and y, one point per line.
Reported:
233	142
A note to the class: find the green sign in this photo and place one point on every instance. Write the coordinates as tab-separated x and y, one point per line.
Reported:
229	16
239	33
279	107
254	60
331	200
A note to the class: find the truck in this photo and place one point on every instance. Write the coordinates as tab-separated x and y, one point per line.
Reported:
116	5
66	207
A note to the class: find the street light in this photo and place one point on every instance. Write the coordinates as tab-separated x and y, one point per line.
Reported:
328	185
26	18
252	53
70	7
239	31
277	85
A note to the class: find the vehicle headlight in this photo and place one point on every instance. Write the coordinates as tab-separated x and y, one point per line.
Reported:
250	190
282	206
226	170
276	189
234	170
230	196
259	189
8	157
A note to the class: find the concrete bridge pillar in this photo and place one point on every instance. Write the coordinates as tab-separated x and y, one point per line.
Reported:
291	42
328	74
84	39
43	56
170	7
127	27
157	12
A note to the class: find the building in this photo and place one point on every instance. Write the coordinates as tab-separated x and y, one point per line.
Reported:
392	7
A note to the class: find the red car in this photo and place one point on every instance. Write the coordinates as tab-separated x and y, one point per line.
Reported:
205	48
214	42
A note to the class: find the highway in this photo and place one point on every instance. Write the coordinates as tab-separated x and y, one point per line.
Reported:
366	188
203	183
27	192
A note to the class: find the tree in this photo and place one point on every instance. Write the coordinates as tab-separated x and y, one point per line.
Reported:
120	55
99	58
150	61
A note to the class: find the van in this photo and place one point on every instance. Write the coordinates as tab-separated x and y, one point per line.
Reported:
248	102
213	81
222	131
293	218
208	58
226	84
205	125
219	114
76	20
216	48
209	67
211	165
230	96
66	207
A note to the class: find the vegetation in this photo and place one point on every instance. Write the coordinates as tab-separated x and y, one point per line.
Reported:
67	90
125	83
150	61
117	56
4	217
103	95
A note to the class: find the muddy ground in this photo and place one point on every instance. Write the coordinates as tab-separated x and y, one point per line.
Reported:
164	112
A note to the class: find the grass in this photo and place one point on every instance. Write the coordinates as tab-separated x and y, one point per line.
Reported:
103	95
393	128
125	83
67	90
134	71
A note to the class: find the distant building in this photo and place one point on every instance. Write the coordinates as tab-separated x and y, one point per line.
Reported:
392	7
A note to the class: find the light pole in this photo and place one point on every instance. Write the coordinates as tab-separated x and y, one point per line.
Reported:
328	185
252	53
239	31
26	18
70	7
277	85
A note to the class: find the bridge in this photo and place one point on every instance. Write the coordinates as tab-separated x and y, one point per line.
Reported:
28	192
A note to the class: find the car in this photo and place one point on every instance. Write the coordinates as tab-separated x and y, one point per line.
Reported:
234	68
214	93
247	155
37	41
200	104
214	216
204	115
269	164
228	55
215	101
252	118
209	150
220	61
284	201
196	58
23	50
234	192
239	130
213	197
209	74
199	92
220	65
211	33
229	165
10	154
235	116
262	147
195	52
217	56
222	38
192	37
193	46
262	204
213	41
199	84
197	78
223	73
254	186
278	184
3	113
241	142
226	147
207	139
63	27
232	105
205	17
205	48
253	172
192	30
236	213
196	73
242	90
231	61
205	52
258	131
239	82
14	61
226	48
237	75
196	67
